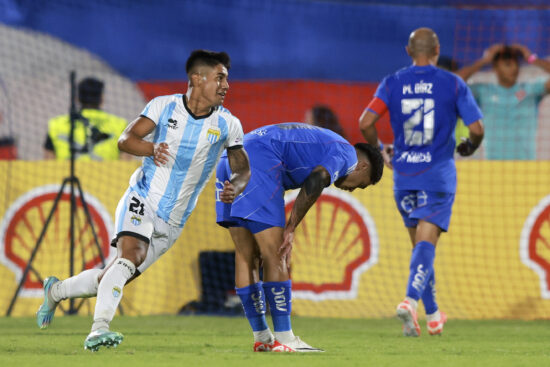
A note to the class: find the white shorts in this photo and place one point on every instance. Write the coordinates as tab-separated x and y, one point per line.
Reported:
135	217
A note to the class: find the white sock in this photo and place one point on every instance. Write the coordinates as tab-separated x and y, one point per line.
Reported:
433	317
83	284
264	336
413	302
109	292
284	336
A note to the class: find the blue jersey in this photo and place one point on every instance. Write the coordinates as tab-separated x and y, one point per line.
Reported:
301	148
281	158
424	103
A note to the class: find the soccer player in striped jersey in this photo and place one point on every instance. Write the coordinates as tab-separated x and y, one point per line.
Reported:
181	138
423	102
283	157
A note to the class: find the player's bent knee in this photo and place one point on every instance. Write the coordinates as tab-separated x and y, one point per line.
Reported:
133	249
274	260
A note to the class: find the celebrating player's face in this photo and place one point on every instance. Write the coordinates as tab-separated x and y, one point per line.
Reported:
214	85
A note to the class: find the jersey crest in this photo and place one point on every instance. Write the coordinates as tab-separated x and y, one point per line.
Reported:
213	135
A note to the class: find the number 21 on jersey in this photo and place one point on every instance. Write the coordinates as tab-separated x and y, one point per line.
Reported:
422	110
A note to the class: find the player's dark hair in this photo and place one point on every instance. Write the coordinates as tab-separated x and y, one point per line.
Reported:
323	116
209	58
375	159
507	53
90	91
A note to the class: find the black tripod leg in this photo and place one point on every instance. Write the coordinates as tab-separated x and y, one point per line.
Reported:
37	246
89	219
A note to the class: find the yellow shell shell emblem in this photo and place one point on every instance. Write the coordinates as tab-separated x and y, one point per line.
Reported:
337	235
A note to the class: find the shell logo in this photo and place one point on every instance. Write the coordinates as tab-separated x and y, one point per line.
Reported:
21	227
333	245
535	244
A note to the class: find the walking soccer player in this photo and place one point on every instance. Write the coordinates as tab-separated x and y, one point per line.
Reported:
423	102
181	138
282	157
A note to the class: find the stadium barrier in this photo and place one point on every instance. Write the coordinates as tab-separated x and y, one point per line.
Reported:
351	253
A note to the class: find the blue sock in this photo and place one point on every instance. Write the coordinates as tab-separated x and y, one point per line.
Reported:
253	300
278	295
428	297
422	262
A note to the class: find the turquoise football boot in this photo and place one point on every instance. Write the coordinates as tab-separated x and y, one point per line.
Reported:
44	316
102	337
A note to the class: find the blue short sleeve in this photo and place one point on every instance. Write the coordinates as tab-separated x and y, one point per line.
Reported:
466	104
153	109
382	91
339	161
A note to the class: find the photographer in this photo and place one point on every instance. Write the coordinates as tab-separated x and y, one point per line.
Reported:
95	133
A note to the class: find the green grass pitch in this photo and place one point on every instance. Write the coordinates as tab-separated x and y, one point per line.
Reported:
217	341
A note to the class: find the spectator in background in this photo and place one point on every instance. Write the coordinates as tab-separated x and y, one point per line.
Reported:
323	116
95	135
510	108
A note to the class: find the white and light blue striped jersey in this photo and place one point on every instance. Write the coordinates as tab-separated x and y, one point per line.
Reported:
195	144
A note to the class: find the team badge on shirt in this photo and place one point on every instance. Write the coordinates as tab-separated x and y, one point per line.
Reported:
213	135
521	94
136	221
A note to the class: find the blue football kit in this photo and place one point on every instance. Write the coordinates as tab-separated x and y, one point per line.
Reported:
282	156
424	103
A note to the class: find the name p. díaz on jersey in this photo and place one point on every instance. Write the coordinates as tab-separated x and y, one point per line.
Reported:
419	88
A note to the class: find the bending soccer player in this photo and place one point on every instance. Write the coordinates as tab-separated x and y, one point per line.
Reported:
423	102
181	138
282	157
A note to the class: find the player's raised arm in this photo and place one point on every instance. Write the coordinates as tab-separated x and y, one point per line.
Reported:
240	168
311	189
467	71
131	141
532	58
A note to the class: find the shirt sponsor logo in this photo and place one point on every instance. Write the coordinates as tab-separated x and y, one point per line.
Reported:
259	132
415	157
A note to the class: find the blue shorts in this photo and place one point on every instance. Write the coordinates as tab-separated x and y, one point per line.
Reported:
263	199
433	207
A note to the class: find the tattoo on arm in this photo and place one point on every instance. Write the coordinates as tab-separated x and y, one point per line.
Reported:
240	168
308	195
